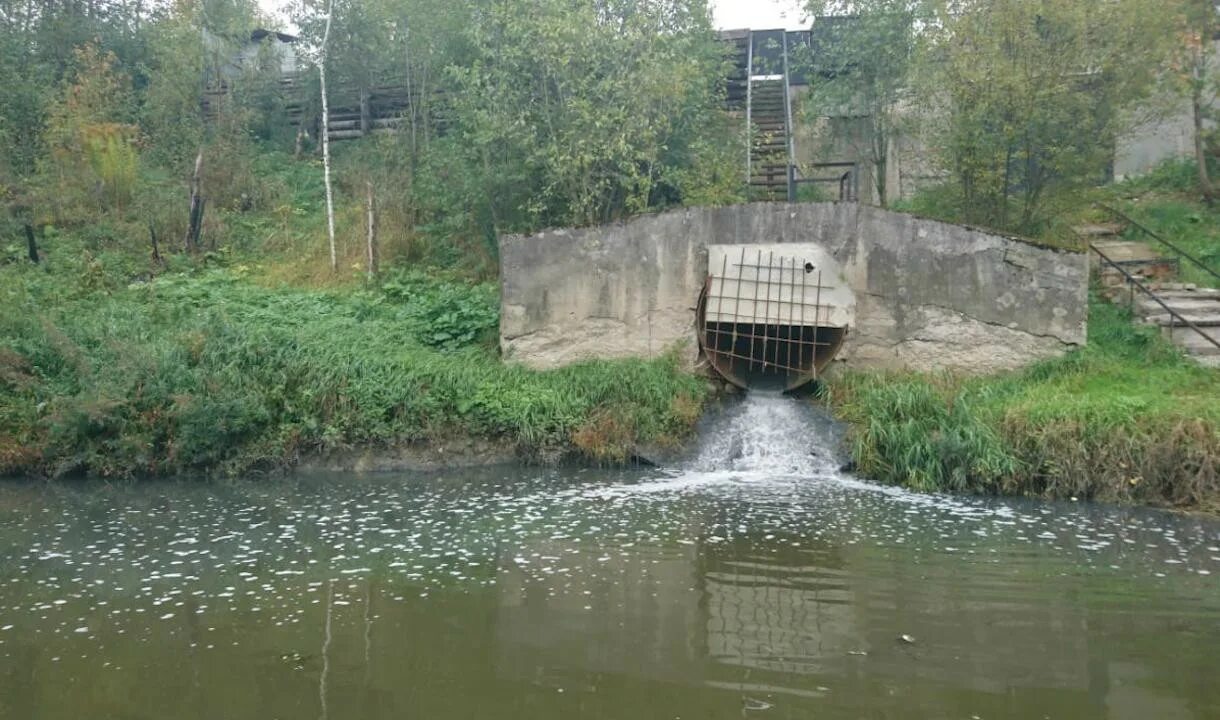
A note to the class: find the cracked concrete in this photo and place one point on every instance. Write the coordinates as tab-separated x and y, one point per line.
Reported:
929	295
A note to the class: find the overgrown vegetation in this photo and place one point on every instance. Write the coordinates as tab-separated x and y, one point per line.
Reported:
1017	104
1125	419
204	370
122	354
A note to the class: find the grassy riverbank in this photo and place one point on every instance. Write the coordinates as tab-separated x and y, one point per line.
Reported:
1126	419
205	371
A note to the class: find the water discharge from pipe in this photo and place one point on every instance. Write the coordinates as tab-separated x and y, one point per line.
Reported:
769	434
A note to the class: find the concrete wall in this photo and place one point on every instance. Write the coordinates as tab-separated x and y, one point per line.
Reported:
928	295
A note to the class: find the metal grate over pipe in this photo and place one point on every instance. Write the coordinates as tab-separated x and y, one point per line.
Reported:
764	322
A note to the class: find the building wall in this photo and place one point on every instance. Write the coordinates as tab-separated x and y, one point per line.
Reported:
928	295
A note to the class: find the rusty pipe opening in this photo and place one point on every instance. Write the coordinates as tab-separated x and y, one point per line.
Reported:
763	326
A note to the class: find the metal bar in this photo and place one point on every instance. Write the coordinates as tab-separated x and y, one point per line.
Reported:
796	301
790	146
1172	313
764	267
1171	246
729	318
704	336
791	292
778	302
736	303
811	369
806	343
817	322
767	311
719	300
801	358
749	104
754	312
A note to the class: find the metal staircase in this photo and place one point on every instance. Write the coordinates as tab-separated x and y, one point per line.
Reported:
771	154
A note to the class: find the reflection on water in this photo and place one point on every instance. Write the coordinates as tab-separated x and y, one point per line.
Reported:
720	591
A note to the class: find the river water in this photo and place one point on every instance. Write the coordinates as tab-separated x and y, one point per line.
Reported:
754	580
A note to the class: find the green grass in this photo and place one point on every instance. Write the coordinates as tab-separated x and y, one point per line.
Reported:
1124	419
205	371
1167	202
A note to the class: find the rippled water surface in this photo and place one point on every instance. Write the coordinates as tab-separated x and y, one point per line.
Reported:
756	581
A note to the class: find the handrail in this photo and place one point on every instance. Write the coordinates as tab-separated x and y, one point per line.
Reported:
791	144
847	181
1173	314
1126	218
749	108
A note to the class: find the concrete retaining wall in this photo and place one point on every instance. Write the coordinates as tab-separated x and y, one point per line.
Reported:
929	295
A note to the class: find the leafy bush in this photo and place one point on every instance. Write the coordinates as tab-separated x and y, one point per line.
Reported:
208	372
447	315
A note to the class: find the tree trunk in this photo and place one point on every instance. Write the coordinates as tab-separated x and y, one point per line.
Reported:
156	250
366	112
881	152
330	202
1198	83
194	227
31	243
1196	106
372	231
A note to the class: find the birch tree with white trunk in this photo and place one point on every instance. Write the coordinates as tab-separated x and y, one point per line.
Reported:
330	201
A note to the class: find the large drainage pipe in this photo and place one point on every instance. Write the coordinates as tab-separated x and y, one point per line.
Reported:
768	320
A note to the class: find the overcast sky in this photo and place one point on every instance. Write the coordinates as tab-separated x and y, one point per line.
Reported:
729	14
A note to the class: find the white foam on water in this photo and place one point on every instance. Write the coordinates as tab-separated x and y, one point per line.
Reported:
770	435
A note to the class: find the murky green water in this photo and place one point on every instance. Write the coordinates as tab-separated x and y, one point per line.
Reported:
748	586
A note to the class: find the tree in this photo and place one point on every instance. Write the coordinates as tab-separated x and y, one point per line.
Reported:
1029	96
1198	32
579	112
330	200
871	44
91	161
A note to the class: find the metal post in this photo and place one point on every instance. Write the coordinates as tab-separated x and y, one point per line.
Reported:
791	144
767	319
749	106
724	262
737	305
754	313
800	355
791	310
817	324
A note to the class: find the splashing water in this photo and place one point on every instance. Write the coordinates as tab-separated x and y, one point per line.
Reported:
770	435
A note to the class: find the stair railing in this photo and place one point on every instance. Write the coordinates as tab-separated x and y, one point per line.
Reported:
847	177
1174	315
791	137
749	106
1127	219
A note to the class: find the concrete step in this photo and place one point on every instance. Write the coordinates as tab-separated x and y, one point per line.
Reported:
1172	287
1200	320
1193	343
1150	272
1185	306
1099	230
1126	251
